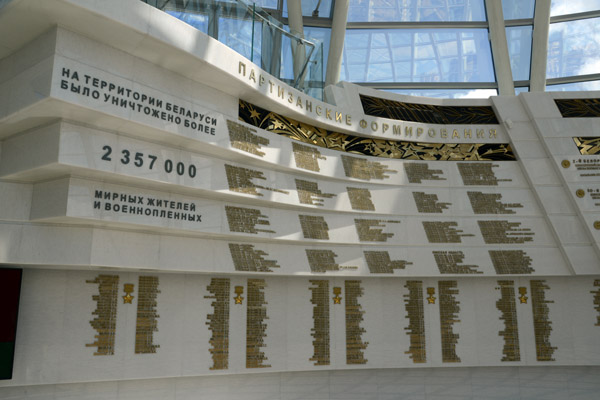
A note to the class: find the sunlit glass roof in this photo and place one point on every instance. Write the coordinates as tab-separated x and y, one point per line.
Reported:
434	48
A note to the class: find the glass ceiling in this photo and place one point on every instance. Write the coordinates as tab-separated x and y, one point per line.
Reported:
435	48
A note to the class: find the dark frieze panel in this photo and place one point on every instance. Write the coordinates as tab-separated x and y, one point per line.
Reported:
427	113
306	133
578	108
588	146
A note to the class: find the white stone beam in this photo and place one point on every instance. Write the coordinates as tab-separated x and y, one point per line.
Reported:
499	44
539	46
336	44
296	29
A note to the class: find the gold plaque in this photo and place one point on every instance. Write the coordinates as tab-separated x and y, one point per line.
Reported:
565	163
596	224
580	193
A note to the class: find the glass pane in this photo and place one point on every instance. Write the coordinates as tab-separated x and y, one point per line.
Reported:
523	89
417	55
312	34
576	86
563	7
574	48
311	8
198	21
519	50
448	93
518	9
415	10
263	3
237	34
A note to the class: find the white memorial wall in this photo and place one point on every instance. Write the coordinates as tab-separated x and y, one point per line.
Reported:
161	236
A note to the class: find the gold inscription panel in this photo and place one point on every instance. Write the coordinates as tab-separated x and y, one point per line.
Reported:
245	258
596	294
443	232
542	326
508	307
309	193
511	262
354	316
256	326
371	230
504	232
449	310
379	262
321	261
428	203
477	173
314	227
320	330
448	263
240	179
418	172
413	304
360	199
245	220
146	322
360	168
243	138
218	322
307	157
489	203
105	322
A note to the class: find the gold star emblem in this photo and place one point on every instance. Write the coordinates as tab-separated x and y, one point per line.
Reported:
431	300
277	125
128	289
337	300
523	299
254	114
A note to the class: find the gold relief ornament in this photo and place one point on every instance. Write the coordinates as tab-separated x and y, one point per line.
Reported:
580	193
128	289
337	291
565	163
597	225
522	295
238	291
430	295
